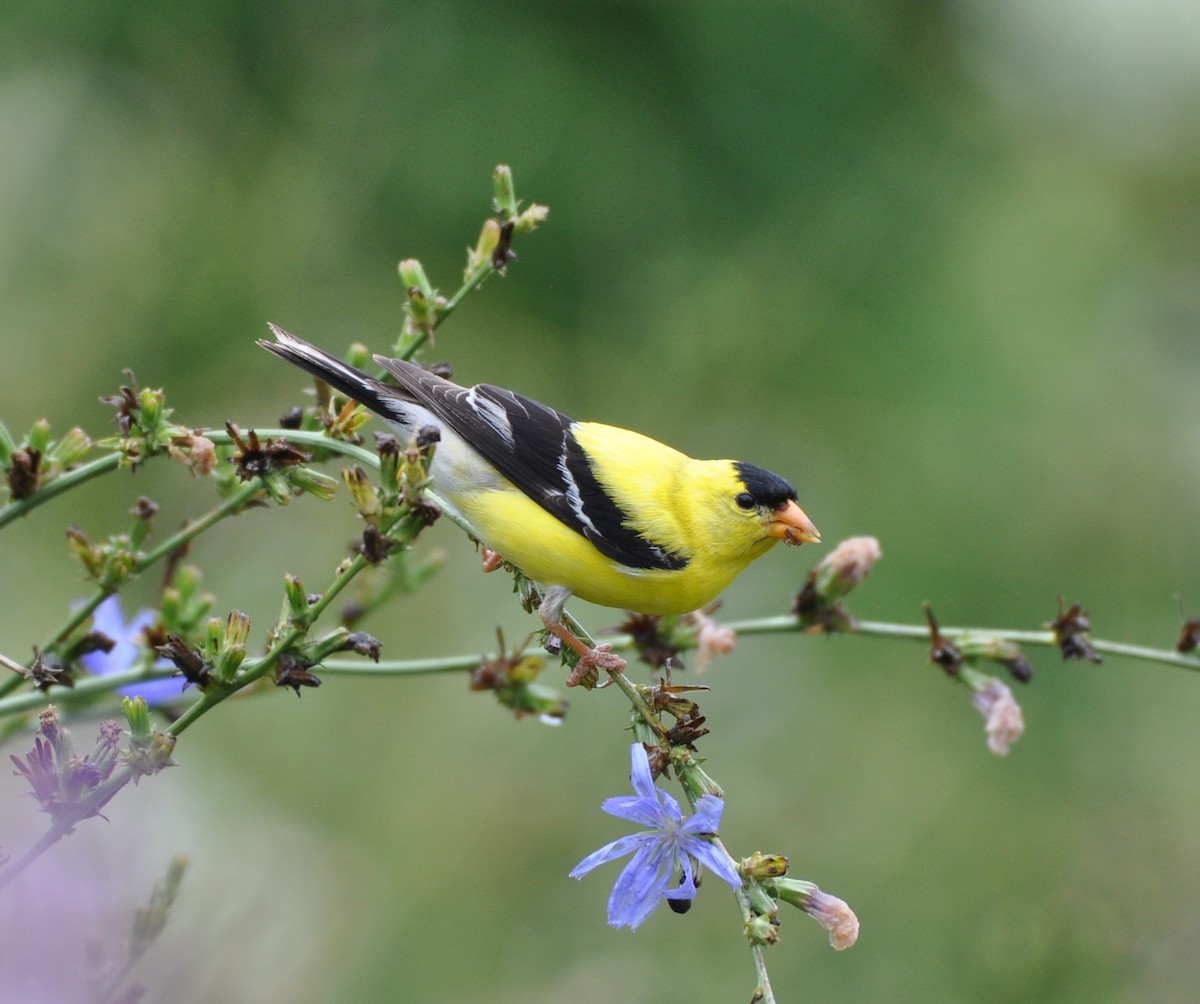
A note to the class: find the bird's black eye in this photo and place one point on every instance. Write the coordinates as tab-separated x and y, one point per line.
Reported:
746	501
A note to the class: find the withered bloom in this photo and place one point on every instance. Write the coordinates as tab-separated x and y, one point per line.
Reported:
655	647
255	459
942	651
196	452
819	605
1189	636
24	472
362	643
503	253
1002	715
373	545
293	671
127	403
44	673
188	660
1071	630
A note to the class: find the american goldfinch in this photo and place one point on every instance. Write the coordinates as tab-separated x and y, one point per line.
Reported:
580	508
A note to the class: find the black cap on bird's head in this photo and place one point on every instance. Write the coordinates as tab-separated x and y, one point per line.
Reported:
769	491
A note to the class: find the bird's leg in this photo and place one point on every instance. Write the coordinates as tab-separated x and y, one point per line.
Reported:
491	560
591	660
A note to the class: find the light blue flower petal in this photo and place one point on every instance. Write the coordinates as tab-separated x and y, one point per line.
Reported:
670	807
640	886
639	773
636	809
707	817
687	888
609	852
714	859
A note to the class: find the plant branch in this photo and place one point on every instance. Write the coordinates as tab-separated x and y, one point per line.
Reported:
63	483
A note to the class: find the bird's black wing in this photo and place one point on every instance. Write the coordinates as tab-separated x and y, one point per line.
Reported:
535	447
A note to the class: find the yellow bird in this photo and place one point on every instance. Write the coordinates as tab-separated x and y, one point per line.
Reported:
581	508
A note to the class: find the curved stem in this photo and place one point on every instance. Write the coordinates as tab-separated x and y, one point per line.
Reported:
305	437
63	483
920	632
83	691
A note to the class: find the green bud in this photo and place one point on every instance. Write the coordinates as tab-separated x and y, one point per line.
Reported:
504	195
481	254
233	644
137	717
297	600
39	436
362	491
91	555
313	482
763	866
760	931
694	780
214	634
278	485
149	756
762	903
412	274
70	449
237	629
531	218
152	410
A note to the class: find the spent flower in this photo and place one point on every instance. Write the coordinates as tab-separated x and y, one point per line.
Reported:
670	845
1002	715
830	912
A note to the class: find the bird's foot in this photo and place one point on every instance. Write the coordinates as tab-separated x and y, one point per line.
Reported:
491	560
586	671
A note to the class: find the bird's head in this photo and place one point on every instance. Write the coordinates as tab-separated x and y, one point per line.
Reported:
767	502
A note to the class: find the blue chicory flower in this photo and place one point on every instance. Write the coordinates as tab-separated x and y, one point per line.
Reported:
109	620
670	842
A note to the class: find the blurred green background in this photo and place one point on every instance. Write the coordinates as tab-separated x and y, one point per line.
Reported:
936	262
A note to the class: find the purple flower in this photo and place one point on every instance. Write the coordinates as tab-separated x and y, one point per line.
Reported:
128	649
669	844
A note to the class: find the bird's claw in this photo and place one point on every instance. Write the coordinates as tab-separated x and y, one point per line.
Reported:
491	560
586	671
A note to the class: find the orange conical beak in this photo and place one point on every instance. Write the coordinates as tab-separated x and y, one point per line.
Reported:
788	523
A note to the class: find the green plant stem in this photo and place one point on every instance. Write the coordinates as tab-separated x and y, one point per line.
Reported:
220	691
84	691
470	284
304	437
93	686
920	632
764	993
63	483
227	507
